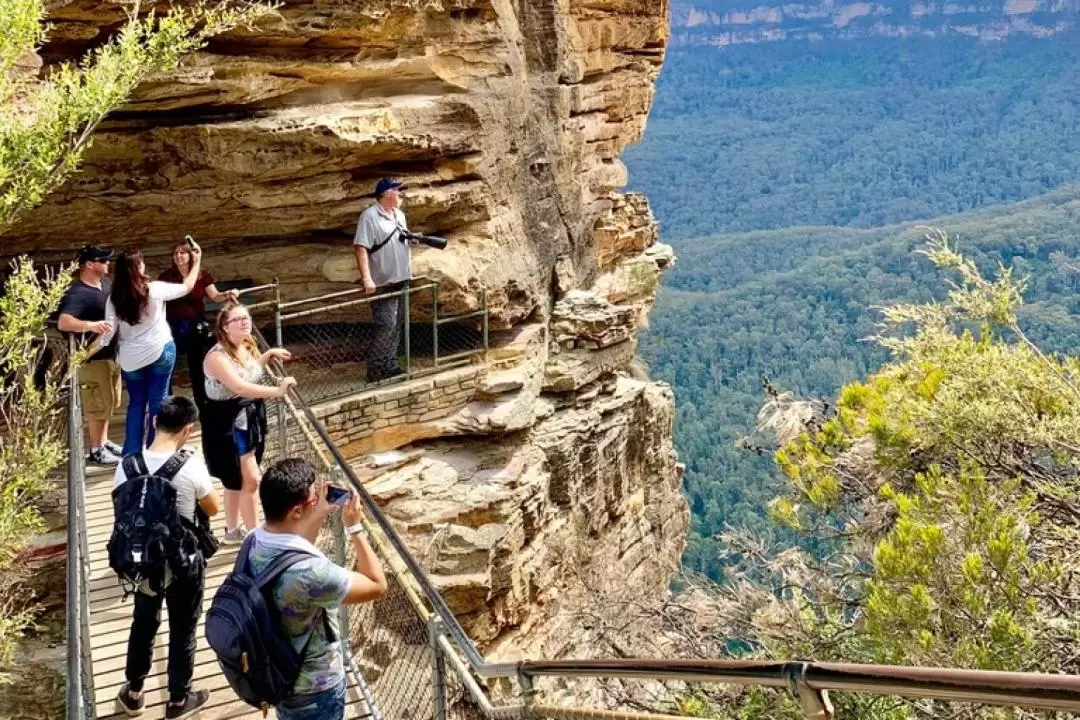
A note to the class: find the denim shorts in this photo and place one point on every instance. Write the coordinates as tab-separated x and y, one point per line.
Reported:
243	445
326	705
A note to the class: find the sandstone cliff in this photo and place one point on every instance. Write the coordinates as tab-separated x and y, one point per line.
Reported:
530	481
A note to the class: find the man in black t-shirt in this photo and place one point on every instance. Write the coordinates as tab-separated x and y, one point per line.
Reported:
83	312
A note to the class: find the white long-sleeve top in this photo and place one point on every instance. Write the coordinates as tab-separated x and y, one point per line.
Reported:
142	343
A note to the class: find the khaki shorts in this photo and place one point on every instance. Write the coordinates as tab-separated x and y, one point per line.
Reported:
100	384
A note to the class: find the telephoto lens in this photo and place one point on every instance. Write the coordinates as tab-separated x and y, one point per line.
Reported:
430	240
433	241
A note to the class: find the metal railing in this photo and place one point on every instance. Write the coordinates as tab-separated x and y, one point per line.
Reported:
458	669
410	659
80	675
393	336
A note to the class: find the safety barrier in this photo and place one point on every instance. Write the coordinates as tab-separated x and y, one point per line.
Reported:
342	342
410	659
80	674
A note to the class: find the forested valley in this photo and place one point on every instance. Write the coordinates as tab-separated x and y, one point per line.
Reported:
792	178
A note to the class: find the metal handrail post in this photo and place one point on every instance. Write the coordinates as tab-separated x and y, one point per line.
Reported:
438	666
487	344
815	703
406	299
338	529
279	341
435	325
74	562
79	682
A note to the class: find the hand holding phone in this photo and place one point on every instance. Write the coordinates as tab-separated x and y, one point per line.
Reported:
337	496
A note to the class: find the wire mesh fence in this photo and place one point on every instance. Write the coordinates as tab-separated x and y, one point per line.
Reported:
402	664
344	342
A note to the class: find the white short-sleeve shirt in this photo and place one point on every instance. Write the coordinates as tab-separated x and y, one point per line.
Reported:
192	483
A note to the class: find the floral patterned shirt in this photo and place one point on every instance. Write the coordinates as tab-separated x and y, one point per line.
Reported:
303	593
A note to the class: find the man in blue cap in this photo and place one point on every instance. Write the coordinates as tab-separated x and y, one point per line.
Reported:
385	266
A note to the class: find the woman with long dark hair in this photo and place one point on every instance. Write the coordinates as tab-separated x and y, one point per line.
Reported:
187	316
234	425
145	351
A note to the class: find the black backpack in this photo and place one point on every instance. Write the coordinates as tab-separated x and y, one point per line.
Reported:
150	545
243	626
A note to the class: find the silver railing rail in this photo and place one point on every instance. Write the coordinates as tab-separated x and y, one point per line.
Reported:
80	675
412	660
331	334
456	655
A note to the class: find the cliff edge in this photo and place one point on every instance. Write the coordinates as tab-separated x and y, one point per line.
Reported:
543	477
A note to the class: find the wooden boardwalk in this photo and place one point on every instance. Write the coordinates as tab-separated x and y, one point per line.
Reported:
110	623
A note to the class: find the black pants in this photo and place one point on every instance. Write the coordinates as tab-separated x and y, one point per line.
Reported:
388	315
193	343
184	598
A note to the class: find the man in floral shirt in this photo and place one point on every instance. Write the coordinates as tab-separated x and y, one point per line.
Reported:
309	593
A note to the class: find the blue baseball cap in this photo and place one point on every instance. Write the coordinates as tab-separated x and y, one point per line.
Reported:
386	185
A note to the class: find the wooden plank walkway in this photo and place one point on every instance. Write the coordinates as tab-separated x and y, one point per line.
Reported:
110	623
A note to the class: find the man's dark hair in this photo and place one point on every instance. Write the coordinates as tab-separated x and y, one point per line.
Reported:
176	413
284	485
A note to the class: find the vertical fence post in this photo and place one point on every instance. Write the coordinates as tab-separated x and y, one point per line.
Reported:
528	693
435	325
337	478
485	319
438	666
408	331
75	708
80	678
815	703
283	431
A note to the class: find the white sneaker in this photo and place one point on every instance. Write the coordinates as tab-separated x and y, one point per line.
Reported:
114	448
234	537
102	456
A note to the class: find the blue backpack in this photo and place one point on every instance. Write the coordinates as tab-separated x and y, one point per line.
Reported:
243	626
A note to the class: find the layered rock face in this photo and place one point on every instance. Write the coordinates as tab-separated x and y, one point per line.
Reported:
542	476
506	118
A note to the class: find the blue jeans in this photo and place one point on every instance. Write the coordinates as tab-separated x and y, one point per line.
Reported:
325	705
147	388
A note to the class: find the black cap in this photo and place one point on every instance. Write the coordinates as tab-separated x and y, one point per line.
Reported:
387	184
92	253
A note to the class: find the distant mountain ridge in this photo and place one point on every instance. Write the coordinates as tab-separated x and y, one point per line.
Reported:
736	22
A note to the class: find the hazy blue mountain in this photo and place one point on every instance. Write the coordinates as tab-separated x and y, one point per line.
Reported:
789	176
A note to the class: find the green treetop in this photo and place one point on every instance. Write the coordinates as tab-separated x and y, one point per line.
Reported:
945	486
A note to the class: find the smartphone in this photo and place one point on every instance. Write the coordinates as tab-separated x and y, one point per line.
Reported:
337	496
190	241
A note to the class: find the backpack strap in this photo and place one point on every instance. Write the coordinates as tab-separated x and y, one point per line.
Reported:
271	572
173	465
135	465
278	565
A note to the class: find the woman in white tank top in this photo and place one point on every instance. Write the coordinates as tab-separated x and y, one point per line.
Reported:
234	369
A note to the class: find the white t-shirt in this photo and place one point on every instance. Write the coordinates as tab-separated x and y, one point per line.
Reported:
141	344
192	483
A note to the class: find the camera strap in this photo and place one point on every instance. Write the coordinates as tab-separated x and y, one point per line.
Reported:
380	245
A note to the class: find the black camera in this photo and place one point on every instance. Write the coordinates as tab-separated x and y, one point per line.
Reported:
430	240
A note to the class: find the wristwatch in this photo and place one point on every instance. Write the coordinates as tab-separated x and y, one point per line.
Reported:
357	529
